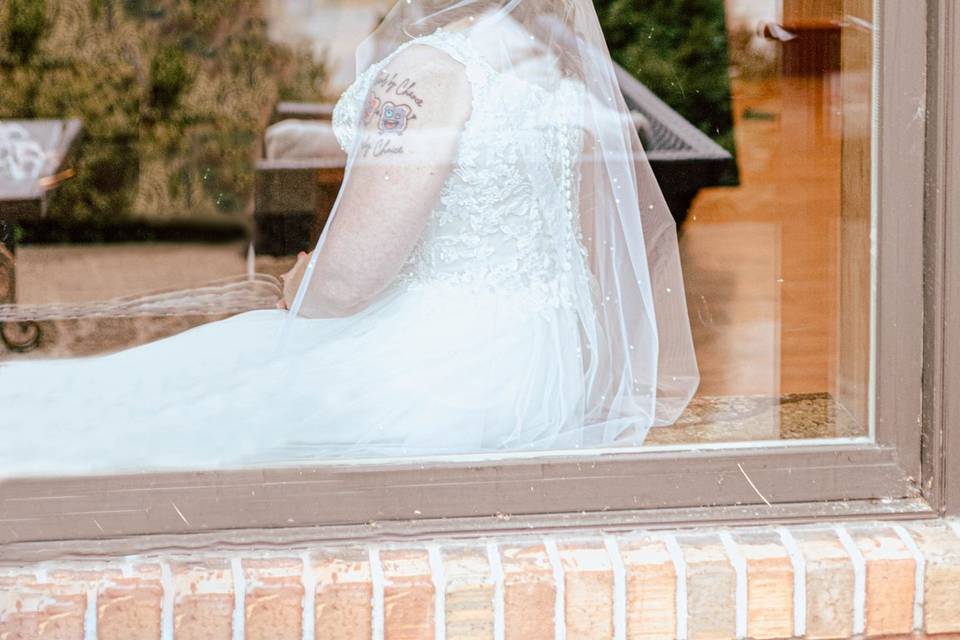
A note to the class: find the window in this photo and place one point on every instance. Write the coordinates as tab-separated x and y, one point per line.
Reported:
818	265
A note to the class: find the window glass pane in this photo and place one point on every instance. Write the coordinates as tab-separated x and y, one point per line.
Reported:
778	265
162	163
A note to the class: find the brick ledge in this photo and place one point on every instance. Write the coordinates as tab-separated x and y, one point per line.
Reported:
831	580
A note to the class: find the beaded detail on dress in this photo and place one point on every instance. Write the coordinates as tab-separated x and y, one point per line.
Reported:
506	221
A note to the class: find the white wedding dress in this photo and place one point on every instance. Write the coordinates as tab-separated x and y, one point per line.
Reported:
474	347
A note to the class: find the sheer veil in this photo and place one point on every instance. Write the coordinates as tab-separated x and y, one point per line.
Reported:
635	365
499	273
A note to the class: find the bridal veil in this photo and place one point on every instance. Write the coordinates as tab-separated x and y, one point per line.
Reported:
630	362
500	272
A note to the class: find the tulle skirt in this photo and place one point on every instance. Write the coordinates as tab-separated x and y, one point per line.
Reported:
425	370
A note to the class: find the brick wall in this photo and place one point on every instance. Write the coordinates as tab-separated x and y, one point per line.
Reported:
818	581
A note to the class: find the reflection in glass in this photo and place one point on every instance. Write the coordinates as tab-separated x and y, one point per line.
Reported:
209	159
778	267
499	270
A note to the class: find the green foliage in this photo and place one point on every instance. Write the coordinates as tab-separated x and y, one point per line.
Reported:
24	27
306	83
169	78
173	96
678	49
106	98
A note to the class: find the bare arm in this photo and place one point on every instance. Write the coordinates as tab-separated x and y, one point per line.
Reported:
408	140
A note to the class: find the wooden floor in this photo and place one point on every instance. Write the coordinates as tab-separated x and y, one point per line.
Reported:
760	259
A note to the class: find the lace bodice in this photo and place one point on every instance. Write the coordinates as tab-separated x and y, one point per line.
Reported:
506	220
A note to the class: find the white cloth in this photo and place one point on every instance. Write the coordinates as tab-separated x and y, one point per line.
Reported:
294	139
476	346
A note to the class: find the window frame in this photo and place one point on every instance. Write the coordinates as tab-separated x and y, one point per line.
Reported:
902	474
941	375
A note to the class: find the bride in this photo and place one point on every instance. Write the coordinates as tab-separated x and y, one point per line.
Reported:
499	272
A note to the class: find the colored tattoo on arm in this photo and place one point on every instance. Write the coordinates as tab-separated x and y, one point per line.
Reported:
371	107
393	100
394	117
391	104
391	121
390	118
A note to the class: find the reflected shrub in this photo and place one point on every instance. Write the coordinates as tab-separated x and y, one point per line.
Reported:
169	78
25	23
173	96
679	50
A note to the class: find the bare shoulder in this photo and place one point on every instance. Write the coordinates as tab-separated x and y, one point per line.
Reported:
421	86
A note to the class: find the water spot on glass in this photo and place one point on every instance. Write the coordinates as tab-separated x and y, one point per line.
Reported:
704	313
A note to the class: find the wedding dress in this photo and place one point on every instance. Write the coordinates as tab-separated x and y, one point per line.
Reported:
483	342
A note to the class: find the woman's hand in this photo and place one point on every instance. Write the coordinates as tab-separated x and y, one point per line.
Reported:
291	280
